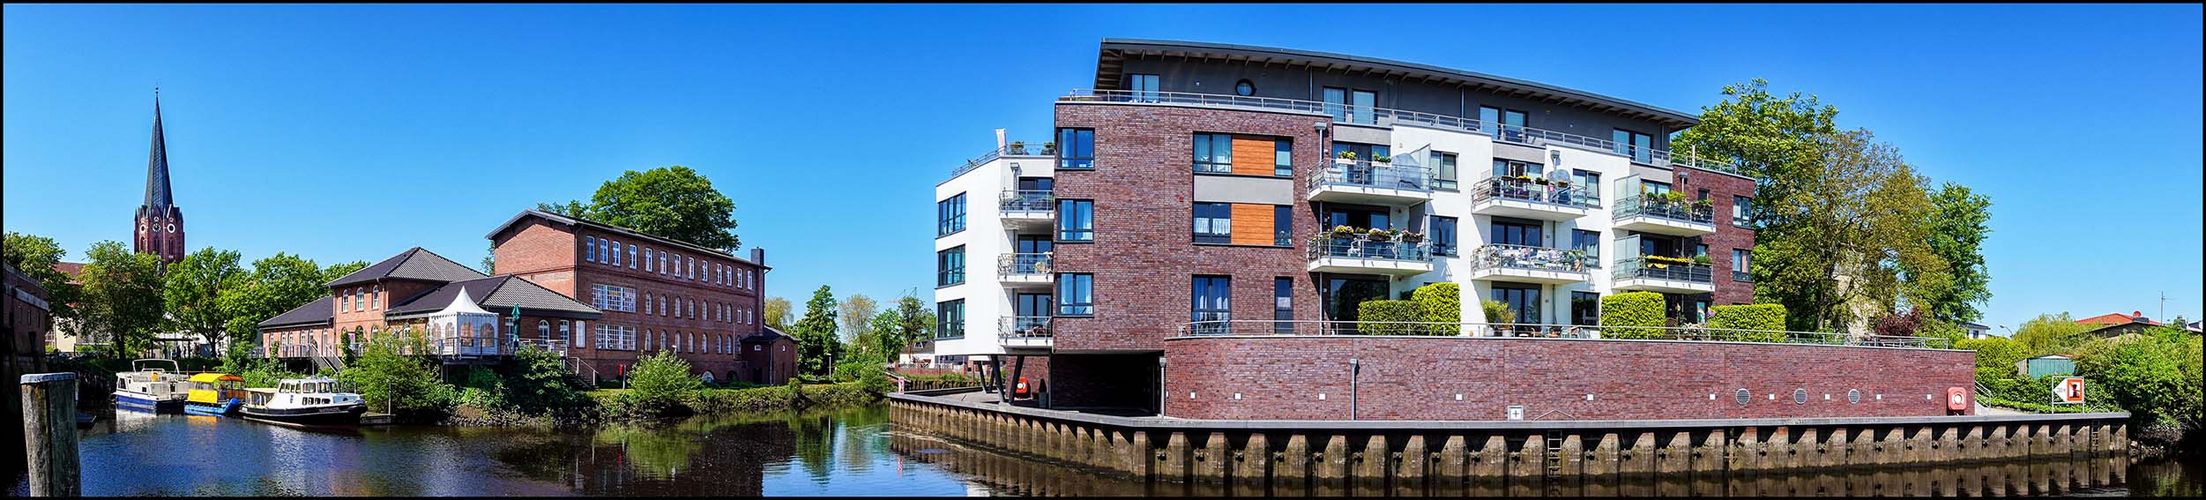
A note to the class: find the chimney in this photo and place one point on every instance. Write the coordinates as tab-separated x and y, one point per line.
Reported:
2139	314
758	256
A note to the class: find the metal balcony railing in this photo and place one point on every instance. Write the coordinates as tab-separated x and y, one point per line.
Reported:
1532	258
1363	247
1272	328
1648	206
1026	327
1664	268
1029	201
1370	174
1013	149
1022	264
1527	189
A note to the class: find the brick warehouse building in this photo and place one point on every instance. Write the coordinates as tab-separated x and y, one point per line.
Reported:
1223	170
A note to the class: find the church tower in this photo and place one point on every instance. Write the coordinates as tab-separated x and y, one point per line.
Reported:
160	224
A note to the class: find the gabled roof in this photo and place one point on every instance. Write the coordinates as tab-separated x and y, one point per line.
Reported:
2118	319
416	264
573	222
320	311
498	296
767	334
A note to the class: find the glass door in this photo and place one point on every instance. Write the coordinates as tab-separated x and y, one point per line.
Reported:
1343	293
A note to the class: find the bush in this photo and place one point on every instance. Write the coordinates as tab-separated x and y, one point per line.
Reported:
662	382
1621	312
540	382
1497	312
1998	353
389	379
1388	317
1442	305
1731	321
2155	375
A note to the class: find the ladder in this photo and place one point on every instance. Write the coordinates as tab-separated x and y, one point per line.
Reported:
1554	452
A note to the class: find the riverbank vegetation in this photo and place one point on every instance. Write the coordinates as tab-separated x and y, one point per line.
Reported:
2155	375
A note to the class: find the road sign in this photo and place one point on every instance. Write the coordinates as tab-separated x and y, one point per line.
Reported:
2068	391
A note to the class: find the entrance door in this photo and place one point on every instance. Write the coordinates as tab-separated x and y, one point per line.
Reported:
1343	293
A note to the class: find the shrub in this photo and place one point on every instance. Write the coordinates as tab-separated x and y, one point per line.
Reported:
540	381
662	382
2155	375
1440	304
1388	317
1996	353
1621	312
388	378
1497	311
1732	321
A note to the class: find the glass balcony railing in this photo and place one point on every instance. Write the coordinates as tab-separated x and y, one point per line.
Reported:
1026	327
1362	246
1664	268
1532	258
1681	211
1023	265
1029	201
1535	190
1369	174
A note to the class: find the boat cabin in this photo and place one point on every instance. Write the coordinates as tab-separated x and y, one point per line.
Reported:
216	388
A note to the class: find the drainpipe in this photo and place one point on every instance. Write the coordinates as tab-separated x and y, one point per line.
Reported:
1355	369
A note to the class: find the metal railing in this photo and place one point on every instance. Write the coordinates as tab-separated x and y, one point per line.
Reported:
1025	327
1532	258
1029	201
1022	264
1662	269
1370	174
1013	149
1639	205
1522	189
1388	117
1542	330
1362	247
301	350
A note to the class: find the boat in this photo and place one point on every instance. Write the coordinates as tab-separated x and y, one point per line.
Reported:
214	394
149	388
304	401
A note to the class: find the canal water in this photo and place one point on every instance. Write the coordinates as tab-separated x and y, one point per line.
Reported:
854	452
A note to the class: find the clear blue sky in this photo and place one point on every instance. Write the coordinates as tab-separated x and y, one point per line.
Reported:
354	132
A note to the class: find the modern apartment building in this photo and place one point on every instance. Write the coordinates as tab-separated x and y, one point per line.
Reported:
1195	174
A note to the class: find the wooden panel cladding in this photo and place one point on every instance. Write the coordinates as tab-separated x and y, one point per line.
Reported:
1252	156
1252	223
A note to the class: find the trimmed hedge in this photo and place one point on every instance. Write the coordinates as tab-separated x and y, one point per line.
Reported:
1388	317
1620	312
1730	319
1441	304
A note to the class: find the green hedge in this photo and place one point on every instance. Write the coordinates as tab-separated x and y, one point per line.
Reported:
623	404
1729	320
1441	304
1620	312
1388	317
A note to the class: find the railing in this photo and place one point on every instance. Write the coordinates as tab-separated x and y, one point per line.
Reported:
1013	149
1029	201
1542	330
1638	205
1361	247
1522	189
1026	327
1022	264
1369	174
1742	276
302	350
1387	116
1532	258
1661	268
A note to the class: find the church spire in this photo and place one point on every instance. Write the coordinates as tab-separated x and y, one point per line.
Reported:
157	163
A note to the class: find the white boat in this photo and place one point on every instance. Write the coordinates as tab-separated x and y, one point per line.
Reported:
149	388
305	401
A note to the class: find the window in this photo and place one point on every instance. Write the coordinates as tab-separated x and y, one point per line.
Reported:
950	215
359	299
344	301
589	249
1283	157
1524	301
1505	125
1647	187
1283	225
1700	249
1506	168
1214	223
1336	99
647	267
375	299
1282	305
1742	265
951	322
604	251
950	266
1588	242
613	297
1076	149
1360	107
1585	308
1742	211
1517	233
1244	88
565	329
631	256
1212	300
1075	220
662	263
616	255
1588	186
1144	87
1213	153
1443	164
692	263
647	303
616	337
1076	294
1638	146
1443	235
662	306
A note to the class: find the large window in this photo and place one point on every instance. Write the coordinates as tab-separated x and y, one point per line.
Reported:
1524	301
617	338
1362	106
1504	124
1336	103
1443	235
589	249
1212	300
647	264
616	255
1075	294
950	266
1443	173
1507	168
1075	220
1075	149
950	215
1588	242
1742	211
1282	305
1214	223
1283	225
950	322
1213	153
1638	146
1507	232
1144	87
1585	308
1742	265
613	297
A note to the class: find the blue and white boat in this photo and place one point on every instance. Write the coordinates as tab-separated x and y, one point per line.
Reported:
148	388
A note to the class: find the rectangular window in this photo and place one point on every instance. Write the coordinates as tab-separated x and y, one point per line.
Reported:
1742	210
950	215
589	249
604	251
1518	233
1213	223
616	255
1585	308
1076	294
1647	187
1336	103
951	322
631	256
1075	149
1283	157
1489	120
662	264
1506	168
1443	165
1212	300
1638	146
1588	242
950	266
1283	225
1443	235
647	267
1144	87
1213	153
1587	186
1700	250
1525	301
1282	305
613	297
1361	106
1742	265
1075	220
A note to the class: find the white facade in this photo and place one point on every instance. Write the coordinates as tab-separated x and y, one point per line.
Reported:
989	237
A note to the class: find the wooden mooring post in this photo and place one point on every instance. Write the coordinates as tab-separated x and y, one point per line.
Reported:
50	431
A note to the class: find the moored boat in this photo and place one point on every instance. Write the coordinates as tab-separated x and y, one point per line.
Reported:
148	388
214	394
304	401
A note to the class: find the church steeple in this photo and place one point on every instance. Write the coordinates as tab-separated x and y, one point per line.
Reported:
160	223
157	163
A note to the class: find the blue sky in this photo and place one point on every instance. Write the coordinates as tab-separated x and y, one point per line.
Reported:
357	131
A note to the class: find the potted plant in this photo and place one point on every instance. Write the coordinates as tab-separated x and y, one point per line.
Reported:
1348	155
1018	147
1674	197
1343	231
1049	148
1701	259
1378	234
1382	158
1703	204
1412	236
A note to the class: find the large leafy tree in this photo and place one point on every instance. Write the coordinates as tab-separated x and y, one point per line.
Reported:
915	322
2053	334
777	313
1959	222
339	270
856	312
882	335
192	290
276	284
669	202
815	334
121	297
35	256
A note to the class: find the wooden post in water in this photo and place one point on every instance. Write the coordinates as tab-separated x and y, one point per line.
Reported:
50	431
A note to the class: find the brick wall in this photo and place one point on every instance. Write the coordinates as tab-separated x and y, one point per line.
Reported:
1418	378
1728	236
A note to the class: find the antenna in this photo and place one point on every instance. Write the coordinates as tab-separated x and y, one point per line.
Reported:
2163	313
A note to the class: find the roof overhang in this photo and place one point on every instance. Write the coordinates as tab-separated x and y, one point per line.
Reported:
1115	51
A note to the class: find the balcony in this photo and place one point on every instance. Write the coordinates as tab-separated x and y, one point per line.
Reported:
1650	214
1532	198
1028	209
1024	270
1371	183
1026	332
1530	264
1361	253
1665	275
1016	148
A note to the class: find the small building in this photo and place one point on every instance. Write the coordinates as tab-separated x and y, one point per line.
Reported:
769	357
2116	324
1975	330
2040	366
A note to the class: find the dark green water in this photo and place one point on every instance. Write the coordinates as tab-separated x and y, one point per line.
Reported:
856	452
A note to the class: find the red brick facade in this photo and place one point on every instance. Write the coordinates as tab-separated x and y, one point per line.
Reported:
1418	378
1729	234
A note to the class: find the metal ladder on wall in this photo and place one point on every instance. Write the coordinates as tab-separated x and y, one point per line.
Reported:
1554	452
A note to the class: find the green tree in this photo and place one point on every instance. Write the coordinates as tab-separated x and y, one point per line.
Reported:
121	297
884	335
276	284
776	314
540	382
192	290
35	256
669	202
915	322
339	270
815	334
390	378
2053	334
662	381
1960	220
856	311
2155	375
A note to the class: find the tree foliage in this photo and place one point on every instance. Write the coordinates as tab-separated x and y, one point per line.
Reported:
339	270
669	202
1629	315
276	284
915	322
121	297
776	314
389	377
2053	334
192	290
1960	221
1389	317
662	381
35	256
815	334
884	335
856	311
2155	375
1748	322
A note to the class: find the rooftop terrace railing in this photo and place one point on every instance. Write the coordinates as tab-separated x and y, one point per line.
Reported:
1013	149
1290	328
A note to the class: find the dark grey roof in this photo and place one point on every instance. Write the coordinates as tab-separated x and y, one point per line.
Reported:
497	295
572	222
767	334
1114	50
317	312
157	164
417	264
